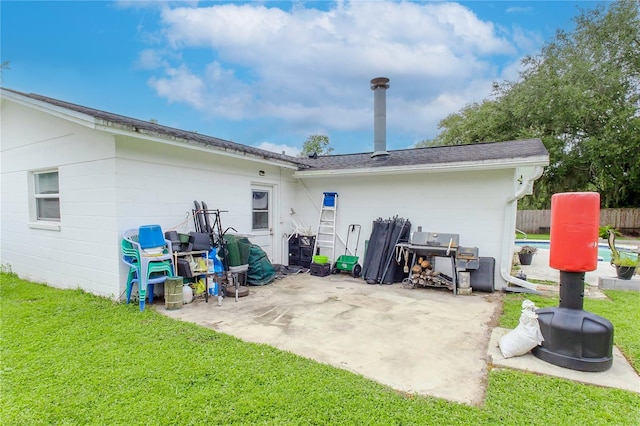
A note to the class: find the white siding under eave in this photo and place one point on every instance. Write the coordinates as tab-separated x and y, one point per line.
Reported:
79	254
471	204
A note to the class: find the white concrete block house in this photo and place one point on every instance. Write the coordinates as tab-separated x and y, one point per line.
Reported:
108	173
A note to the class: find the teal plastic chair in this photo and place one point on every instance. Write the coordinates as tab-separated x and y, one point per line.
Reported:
157	275
145	268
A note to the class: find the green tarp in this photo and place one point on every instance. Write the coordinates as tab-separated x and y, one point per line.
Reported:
261	271
241	252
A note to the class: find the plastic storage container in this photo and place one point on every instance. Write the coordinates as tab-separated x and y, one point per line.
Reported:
173	293
330	199
320	260
320	270
150	236
215	265
187	294
212	284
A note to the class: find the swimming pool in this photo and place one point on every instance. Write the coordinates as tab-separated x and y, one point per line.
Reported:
604	253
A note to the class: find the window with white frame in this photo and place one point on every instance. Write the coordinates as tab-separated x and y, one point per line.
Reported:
46	194
260	210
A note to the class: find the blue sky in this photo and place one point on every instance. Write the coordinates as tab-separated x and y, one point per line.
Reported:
269	74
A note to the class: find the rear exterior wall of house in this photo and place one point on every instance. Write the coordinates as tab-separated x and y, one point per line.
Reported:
77	251
109	183
471	204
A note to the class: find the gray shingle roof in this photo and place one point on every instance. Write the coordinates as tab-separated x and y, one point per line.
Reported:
433	155
472	153
148	127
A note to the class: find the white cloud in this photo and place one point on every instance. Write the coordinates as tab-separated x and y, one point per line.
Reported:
180	85
146	4
526	41
312	67
519	9
151	59
279	148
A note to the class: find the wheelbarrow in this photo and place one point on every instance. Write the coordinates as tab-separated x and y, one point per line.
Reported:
345	262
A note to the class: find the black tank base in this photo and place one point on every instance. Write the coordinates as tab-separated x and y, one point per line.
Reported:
575	339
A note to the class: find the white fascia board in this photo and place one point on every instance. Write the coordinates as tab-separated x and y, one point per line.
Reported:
115	128
64	113
460	166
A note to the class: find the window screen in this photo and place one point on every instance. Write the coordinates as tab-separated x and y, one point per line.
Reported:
260	210
47	197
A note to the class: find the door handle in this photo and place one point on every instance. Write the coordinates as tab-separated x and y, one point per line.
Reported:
270	231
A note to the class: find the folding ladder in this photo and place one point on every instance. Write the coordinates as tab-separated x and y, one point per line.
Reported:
326	235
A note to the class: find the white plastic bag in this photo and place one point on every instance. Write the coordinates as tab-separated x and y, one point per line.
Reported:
525	336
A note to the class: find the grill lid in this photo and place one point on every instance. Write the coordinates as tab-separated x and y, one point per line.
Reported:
434	239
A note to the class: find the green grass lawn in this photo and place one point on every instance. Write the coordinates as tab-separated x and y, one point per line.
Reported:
71	358
543	237
546	237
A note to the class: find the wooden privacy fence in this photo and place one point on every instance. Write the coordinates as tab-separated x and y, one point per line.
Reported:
627	221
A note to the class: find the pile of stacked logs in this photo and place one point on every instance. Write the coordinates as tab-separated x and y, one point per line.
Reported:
422	274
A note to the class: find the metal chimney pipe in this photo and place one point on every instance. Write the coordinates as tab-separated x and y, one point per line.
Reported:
379	85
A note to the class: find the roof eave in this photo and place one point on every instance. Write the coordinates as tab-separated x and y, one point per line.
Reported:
61	112
542	160
97	123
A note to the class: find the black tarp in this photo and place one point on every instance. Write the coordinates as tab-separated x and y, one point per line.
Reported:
380	265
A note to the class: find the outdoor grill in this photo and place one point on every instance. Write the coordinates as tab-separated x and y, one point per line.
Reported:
425	247
436	243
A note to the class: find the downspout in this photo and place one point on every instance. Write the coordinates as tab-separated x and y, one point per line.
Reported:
525	188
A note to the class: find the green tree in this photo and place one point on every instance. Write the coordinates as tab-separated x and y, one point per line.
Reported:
318	144
581	96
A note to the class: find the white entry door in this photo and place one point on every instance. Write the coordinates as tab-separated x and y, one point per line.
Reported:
262	207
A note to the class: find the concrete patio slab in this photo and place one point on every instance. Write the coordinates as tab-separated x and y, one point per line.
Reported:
621	375
540	269
613	283
422	341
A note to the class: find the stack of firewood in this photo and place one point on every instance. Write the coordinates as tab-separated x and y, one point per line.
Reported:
422	273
